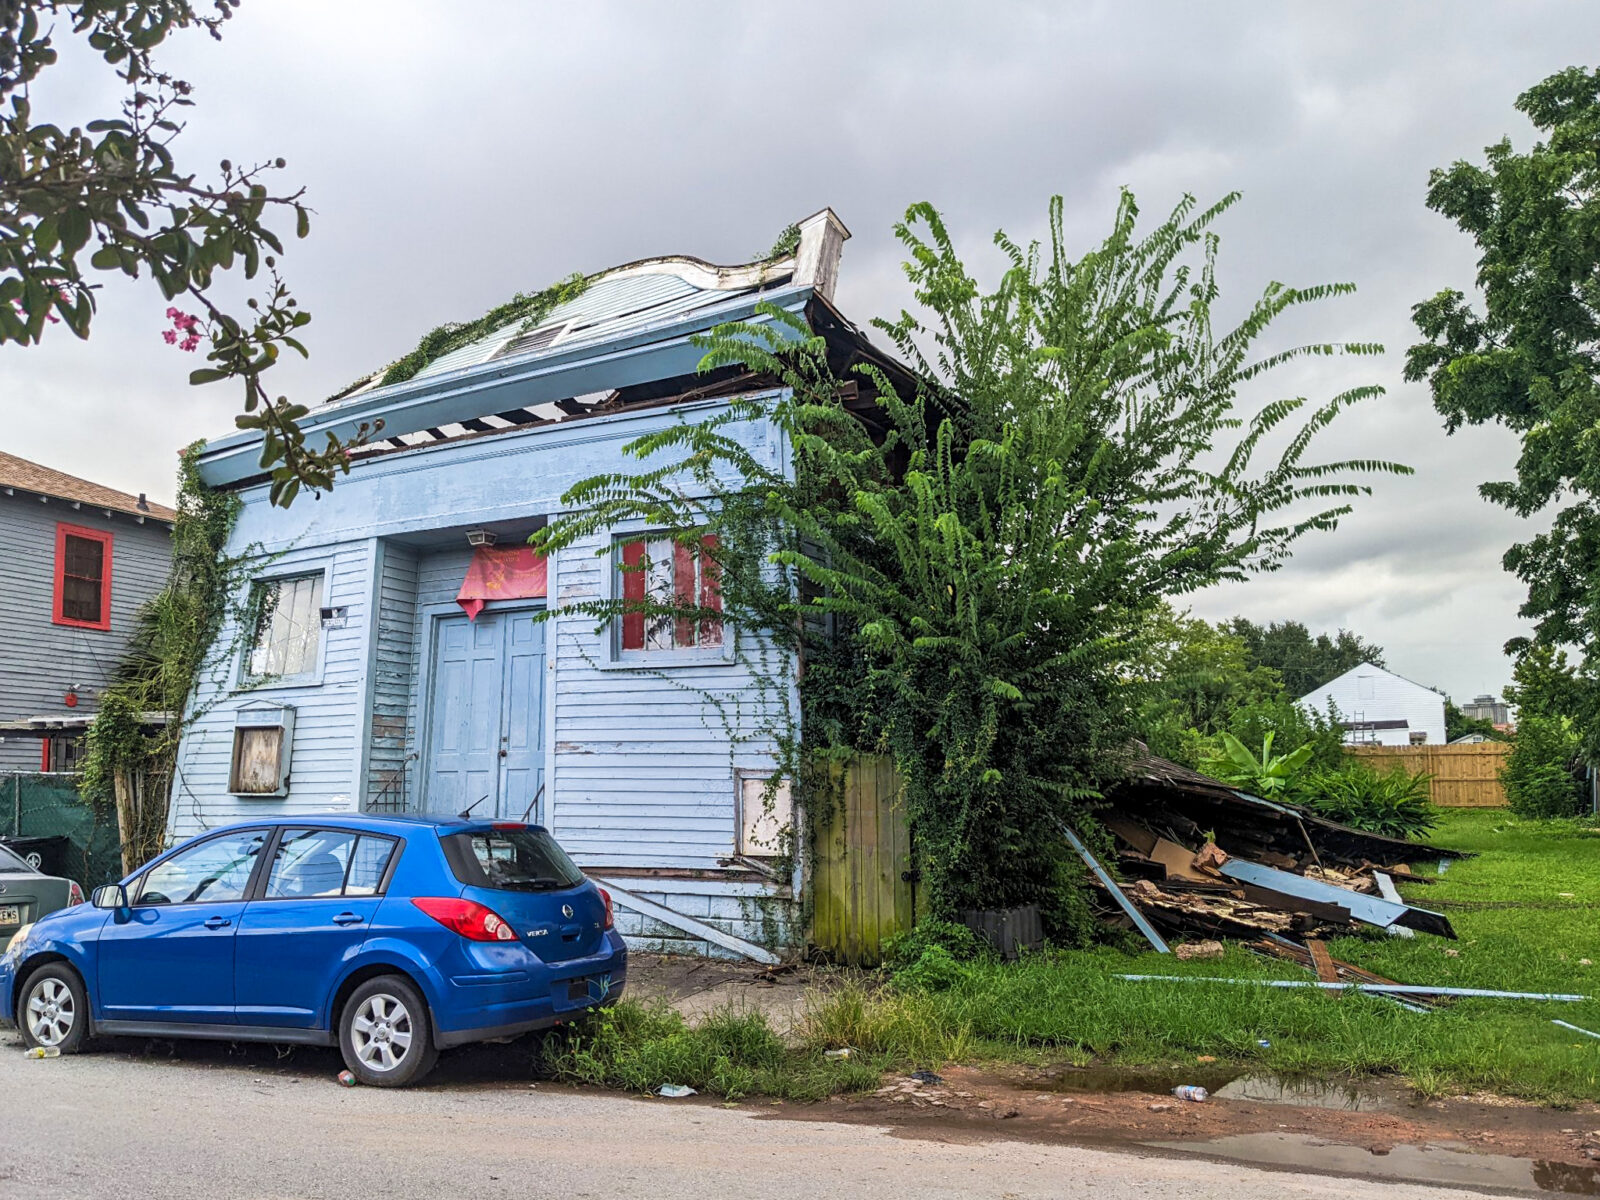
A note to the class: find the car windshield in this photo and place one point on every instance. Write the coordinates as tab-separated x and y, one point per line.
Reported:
10	864
513	860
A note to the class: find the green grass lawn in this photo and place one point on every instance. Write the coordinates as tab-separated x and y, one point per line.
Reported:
1526	911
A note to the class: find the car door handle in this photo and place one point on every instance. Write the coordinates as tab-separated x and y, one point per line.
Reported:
217	922
348	919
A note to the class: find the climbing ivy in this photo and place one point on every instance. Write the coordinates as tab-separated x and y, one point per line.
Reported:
522	309
961	589
173	640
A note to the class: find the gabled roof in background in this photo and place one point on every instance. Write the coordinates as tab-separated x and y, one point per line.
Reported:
20	475
629	339
1370	669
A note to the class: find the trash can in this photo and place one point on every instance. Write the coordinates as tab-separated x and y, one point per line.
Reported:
49	855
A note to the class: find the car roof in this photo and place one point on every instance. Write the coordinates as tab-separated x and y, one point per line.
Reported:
396	823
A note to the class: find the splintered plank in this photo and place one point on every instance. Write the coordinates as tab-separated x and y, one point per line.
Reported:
1322	961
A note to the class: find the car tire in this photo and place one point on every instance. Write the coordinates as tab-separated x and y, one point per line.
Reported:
53	1010
385	1034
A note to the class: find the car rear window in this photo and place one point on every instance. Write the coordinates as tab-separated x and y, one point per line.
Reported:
10	864
510	860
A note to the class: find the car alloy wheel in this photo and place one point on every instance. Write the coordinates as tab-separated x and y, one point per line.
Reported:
51	1012
381	1032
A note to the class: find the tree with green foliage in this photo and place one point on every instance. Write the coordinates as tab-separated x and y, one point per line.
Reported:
964	588
1303	662
111	196
1528	358
1193	676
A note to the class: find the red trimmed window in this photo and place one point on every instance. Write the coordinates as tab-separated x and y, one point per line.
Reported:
83	578
661	571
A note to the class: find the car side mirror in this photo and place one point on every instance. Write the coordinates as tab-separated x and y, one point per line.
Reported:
111	895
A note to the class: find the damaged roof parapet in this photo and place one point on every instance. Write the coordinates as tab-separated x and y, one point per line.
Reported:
631	326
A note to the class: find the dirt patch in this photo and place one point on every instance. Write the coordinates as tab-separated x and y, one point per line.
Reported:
696	987
1387	1132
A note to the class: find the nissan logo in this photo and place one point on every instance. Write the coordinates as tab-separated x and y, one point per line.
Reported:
566	911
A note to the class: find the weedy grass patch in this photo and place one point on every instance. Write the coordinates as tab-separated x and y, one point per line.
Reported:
1526	910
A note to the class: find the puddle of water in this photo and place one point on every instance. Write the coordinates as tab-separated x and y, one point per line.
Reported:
1311	1093
1227	1082
1211	1076
1435	1164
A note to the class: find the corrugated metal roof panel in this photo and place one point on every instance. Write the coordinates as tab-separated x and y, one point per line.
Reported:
611	302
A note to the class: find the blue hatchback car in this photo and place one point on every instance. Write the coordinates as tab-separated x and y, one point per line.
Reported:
393	937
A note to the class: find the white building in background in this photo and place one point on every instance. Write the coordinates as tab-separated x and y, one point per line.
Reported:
1380	708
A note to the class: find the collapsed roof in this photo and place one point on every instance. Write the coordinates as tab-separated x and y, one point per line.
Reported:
628	339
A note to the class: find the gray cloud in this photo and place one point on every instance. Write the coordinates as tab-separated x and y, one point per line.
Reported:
455	161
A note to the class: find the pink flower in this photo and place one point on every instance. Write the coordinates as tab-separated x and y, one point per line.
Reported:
186	324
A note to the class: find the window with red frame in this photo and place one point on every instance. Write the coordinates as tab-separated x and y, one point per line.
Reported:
83	577
682	575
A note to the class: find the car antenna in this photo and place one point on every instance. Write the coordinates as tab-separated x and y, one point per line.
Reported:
532	802
467	811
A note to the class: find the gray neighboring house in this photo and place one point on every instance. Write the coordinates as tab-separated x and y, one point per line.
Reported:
77	560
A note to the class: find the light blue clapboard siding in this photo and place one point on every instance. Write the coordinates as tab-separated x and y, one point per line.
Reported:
40	660
391	773
328	714
644	760
640	766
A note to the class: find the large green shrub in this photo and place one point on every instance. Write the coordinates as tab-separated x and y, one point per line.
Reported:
1540	775
1394	803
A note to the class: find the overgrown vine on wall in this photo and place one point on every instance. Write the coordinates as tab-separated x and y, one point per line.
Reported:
126	760
961	587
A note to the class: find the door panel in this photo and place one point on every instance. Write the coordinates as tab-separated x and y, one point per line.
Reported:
463	752
170	963
288	953
487	714
314	912
171	957
522	766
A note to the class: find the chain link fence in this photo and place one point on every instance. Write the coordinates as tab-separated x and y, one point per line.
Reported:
46	817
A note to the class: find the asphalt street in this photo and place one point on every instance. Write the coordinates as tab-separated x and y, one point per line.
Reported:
108	1125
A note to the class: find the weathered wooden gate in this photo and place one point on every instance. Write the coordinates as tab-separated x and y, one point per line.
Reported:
862	872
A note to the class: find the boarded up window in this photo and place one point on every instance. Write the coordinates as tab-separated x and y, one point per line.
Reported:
257	761
288	628
673	594
764	814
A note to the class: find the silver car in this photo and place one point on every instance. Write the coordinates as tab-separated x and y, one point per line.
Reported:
26	894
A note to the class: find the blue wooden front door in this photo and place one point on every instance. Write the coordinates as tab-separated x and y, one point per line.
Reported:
486	715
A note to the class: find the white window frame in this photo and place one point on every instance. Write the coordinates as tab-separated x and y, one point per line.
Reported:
616	657
311	678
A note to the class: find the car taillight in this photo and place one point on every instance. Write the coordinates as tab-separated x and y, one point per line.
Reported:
610	917
74	894
467	917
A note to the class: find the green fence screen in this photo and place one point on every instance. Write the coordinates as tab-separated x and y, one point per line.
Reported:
36	805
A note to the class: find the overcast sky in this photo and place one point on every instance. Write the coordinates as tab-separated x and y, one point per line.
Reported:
453	164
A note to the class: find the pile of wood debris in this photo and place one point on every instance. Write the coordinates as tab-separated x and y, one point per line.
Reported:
1204	860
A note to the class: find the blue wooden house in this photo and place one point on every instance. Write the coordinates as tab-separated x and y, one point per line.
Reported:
398	665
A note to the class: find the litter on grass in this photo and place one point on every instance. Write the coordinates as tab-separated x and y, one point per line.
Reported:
1377	989
674	1091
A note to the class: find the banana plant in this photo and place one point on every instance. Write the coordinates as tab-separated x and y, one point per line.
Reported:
1269	776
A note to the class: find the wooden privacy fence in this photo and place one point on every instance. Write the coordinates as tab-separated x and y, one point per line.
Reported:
862	884
1464	776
